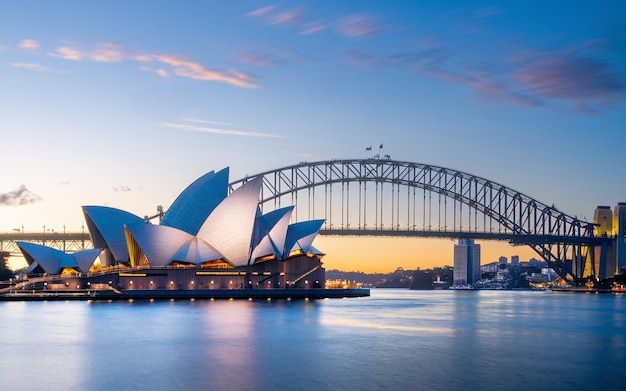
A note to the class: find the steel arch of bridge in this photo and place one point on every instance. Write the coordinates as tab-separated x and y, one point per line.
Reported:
422	200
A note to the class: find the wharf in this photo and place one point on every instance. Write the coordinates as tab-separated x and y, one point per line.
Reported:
153	294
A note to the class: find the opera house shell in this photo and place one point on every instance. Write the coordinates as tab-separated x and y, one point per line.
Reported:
207	239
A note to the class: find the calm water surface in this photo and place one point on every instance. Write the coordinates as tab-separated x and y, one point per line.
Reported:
393	340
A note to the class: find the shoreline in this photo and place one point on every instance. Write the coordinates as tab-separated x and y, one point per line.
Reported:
214	294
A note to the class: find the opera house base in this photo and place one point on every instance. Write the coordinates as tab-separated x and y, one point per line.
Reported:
217	294
301	277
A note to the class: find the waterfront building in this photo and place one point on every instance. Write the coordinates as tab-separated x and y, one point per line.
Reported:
207	239
466	262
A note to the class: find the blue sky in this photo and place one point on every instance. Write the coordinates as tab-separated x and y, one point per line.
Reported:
124	104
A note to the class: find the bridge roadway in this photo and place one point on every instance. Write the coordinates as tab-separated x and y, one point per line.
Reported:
75	241
512	238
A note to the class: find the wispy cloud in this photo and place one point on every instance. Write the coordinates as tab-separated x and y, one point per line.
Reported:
123	189
581	80
19	196
528	78
215	130
203	121
261	11
30	66
108	52
348	26
67	53
290	17
177	65
29	44
183	67
358	26
270	58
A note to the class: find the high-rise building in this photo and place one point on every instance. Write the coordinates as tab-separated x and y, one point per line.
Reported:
619	231
502	260
466	262
515	259
604	255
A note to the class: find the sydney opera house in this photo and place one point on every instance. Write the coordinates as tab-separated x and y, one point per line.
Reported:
207	241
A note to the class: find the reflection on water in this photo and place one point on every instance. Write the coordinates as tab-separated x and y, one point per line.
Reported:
394	339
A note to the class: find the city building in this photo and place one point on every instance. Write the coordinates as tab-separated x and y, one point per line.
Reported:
515	259
619	232
609	258
466	262
502	259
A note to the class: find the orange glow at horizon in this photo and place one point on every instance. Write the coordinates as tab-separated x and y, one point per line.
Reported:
384	255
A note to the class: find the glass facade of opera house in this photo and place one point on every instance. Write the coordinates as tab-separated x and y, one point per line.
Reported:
207	239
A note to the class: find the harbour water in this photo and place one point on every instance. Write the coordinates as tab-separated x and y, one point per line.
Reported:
392	340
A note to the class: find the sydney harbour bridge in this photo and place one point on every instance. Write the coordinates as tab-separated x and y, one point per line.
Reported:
384	197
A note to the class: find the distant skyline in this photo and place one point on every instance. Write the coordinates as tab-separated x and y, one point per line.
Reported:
125	104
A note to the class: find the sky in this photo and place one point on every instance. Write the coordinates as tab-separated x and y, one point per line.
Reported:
125	103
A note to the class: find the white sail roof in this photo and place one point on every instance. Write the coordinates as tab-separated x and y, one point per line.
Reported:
228	229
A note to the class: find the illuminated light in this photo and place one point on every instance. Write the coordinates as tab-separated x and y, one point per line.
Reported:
269	299
130	300
230	299
289	299
192	282
192	299
267	273
212	299
151	300
220	273
131	282
282	273
249	298
171	300
230	282
171	282
132	274
255	273
306	282
211	282
151	282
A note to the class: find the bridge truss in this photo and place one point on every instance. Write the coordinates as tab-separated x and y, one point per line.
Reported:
378	197
64	241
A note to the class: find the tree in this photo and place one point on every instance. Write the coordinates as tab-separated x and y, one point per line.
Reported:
5	271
